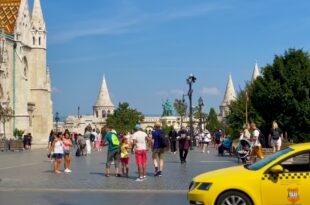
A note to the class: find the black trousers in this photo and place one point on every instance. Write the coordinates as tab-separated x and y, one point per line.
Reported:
183	153
173	145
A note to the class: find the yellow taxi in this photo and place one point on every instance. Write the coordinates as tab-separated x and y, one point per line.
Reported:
282	178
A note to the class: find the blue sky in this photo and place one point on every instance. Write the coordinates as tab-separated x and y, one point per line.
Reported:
146	49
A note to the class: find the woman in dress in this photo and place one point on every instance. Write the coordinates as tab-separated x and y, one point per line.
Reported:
58	151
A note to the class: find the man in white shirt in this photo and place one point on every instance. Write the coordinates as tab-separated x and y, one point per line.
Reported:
140	139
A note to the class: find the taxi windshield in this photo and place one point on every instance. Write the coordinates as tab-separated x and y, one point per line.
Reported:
261	163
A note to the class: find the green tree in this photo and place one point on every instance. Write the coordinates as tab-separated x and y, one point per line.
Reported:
124	118
6	115
180	109
236	118
200	114
282	94
212	121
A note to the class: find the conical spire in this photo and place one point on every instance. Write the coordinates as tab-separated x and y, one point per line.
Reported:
255	72
230	94
37	16
104	99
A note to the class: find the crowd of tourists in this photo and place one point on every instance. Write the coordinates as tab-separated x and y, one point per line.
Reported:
140	143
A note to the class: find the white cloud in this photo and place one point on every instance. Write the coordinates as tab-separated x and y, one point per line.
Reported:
132	21
211	91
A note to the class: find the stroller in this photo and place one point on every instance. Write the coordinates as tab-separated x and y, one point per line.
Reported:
244	150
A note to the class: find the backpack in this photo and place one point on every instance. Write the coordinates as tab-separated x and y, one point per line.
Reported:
114	140
261	138
163	140
92	137
276	134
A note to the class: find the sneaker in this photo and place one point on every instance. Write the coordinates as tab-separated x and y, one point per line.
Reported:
144	177
139	179
208	152
158	174
68	170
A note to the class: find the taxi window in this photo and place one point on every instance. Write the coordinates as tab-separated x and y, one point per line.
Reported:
297	163
260	164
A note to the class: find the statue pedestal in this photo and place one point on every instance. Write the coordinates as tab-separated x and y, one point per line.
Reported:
171	121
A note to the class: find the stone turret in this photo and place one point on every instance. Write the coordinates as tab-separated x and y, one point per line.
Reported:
230	95
103	106
256	73
38	27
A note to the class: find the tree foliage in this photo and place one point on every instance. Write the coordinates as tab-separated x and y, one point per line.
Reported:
212	121
124	118
6	114
180	108
280	94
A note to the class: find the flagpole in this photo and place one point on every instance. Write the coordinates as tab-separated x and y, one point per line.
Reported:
246	107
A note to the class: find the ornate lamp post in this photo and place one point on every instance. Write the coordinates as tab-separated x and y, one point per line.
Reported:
200	105
57	120
190	80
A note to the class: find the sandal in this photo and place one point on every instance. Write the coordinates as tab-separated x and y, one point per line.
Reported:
118	175
107	175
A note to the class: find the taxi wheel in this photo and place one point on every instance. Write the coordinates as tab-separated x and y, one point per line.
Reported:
234	198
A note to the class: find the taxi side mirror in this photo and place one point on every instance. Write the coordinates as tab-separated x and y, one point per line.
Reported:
277	169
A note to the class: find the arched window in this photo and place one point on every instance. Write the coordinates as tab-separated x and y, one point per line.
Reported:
96	113
39	41
109	112
104	114
34	41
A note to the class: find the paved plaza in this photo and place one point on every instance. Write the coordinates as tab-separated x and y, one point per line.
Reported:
27	178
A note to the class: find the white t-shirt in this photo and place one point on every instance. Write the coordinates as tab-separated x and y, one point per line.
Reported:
140	138
208	137
255	138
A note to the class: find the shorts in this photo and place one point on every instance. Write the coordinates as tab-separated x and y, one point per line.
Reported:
276	143
113	155
141	157
125	160
257	152
66	152
158	153
217	141
57	156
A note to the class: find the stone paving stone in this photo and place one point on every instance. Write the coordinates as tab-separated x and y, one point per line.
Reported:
33	170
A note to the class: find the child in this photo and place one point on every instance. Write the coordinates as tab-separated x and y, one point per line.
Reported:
124	156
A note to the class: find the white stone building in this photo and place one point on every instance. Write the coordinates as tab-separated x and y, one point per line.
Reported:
25	84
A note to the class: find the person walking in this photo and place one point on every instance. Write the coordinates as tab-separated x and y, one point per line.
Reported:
140	140
58	151
98	140
81	144
87	136
275	137
111	139
67	142
207	141
183	138
257	147
173	140
158	149
218	135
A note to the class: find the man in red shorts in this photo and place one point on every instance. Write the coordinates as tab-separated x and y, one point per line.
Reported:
140	139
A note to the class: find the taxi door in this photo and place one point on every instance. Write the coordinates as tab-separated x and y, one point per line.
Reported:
291	187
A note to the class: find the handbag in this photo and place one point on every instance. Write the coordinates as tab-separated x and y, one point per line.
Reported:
186	144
